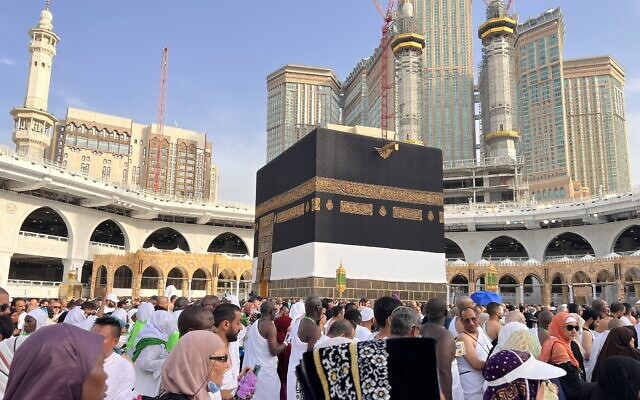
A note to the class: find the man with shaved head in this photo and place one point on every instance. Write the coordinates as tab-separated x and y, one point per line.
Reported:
195	318
303	335
436	312
262	349
544	319
455	326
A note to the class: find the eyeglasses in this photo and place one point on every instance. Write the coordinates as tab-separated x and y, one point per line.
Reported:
56	307
571	327
223	358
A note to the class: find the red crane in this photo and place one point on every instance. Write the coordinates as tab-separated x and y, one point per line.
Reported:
385	85
160	117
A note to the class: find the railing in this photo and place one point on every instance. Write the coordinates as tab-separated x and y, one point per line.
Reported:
550	259
24	282
111	246
43	236
482	162
123	189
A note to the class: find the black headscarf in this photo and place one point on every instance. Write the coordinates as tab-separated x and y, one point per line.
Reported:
616	344
619	379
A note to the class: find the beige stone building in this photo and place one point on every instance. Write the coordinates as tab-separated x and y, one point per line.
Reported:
148	272
299	99
107	147
596	125
124	152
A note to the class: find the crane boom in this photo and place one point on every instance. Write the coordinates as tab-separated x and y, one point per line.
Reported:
385	85
160	117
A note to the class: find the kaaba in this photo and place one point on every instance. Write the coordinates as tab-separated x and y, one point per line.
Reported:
331	199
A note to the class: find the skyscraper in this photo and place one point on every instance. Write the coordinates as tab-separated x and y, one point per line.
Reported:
33	123
407	47
497	83
449	115
541	109
300	98
596	128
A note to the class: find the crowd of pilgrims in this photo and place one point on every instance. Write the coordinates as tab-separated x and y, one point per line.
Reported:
174	348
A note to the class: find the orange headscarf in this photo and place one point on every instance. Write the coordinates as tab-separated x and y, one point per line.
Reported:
556	328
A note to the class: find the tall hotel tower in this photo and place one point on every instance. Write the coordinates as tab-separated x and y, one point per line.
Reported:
449	115
34	125
300	98
497	83
407	47
541	107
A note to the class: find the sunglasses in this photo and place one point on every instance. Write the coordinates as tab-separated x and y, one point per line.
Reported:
223	358
571	328
56	307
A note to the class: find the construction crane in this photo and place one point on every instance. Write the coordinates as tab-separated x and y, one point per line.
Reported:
385	85
160	118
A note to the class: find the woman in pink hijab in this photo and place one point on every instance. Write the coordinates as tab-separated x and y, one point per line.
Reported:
195	366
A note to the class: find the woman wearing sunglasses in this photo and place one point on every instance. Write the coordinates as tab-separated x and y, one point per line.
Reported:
194	367
557	350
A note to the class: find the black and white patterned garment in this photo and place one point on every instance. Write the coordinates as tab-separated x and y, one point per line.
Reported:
370	370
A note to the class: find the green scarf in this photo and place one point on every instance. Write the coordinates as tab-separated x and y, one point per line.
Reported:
133	335
144	343
173	340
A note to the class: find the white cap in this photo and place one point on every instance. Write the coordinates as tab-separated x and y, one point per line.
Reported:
112	297
366	313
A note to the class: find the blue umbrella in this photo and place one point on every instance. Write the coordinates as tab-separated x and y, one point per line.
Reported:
483	297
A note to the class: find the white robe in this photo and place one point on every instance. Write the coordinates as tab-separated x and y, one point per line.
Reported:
472	380
596	346
148	369
120	378
257	353
298	348
8	348
230	379
362	333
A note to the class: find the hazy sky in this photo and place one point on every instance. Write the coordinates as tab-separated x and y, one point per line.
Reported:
221	52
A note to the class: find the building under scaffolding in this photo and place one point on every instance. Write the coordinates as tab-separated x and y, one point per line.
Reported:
486	180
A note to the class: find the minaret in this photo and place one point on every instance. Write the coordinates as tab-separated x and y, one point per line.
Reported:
497	83
407	47
34	125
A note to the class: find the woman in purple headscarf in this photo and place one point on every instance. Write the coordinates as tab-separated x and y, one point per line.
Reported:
58	362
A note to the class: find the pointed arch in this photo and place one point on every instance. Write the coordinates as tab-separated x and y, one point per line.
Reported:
568	244
166	239
246	276
452	250
123	278
150	278
46	221
580	277
101	276
627	240
199	279
110	232
228	243
504	247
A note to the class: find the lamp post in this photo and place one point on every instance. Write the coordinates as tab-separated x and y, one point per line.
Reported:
491	279
341	279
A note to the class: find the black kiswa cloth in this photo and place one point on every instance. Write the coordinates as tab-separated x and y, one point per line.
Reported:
403	368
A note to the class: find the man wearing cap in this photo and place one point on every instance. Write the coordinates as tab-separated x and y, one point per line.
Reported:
363	331
111	301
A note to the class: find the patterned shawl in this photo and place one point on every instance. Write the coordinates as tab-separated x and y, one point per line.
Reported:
375	369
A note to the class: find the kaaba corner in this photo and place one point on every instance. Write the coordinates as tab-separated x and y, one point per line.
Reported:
340	198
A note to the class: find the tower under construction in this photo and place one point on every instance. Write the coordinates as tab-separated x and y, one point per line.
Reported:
407	47
497	83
